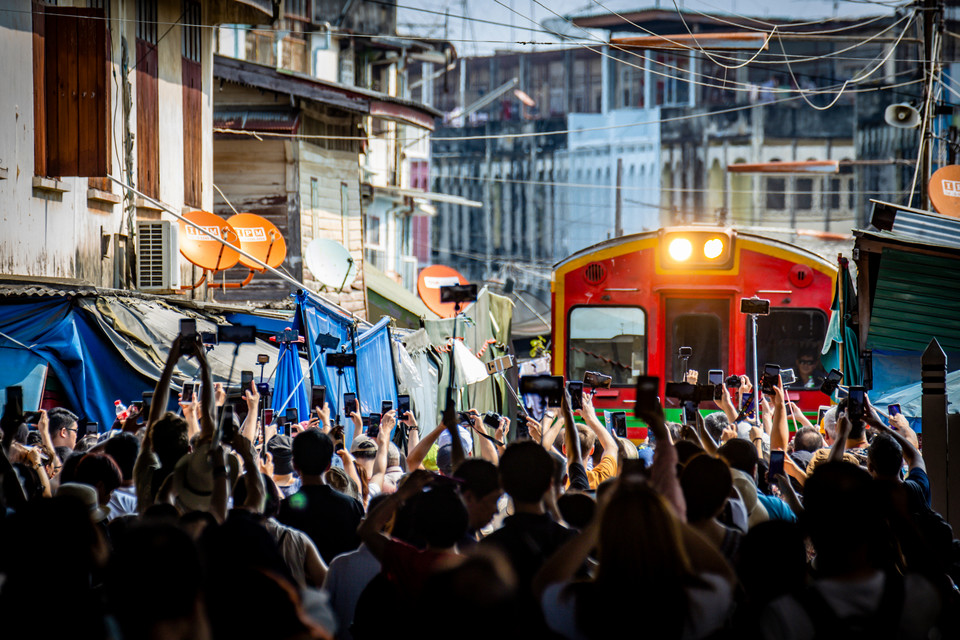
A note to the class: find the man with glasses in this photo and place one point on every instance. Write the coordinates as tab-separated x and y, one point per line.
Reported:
63	427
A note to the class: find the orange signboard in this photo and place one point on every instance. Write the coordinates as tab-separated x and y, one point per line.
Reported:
260	238
204	251
428	286
945	190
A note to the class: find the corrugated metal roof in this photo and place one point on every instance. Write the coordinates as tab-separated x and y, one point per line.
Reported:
19	287
916	298
915	225
272	120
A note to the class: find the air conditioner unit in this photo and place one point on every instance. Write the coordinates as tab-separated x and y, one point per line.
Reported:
158	256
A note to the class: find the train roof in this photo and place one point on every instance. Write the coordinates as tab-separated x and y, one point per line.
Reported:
633	237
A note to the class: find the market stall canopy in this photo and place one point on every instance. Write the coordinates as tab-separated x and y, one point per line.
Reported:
105	345
385	297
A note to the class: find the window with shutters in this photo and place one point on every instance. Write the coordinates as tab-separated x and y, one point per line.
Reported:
70	91
192	104
148	102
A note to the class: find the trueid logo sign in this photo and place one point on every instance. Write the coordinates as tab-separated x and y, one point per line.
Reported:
951	188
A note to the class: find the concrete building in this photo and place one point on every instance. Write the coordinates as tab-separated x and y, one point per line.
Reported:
675	120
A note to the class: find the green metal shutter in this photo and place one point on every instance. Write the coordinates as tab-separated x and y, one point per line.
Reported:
917	298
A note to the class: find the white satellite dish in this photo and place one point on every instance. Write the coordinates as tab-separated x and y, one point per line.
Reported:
330	263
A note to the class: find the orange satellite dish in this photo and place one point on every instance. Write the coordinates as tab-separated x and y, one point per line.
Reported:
201	249
944	190
428	286
260	238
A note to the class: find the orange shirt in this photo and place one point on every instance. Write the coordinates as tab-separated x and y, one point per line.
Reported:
606	469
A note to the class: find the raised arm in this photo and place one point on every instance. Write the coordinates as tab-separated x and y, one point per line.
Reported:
207	408
726	405
371	528
840	444
416	455
487	449
161	393
911	455
780	434
383	445
589	415
249	427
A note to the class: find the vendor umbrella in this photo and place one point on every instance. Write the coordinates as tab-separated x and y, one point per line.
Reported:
289	388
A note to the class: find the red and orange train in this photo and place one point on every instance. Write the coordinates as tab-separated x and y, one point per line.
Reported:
624	307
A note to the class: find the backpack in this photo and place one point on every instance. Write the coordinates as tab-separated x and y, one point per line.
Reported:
882	623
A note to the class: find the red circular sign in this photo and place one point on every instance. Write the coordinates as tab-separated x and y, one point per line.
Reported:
428	286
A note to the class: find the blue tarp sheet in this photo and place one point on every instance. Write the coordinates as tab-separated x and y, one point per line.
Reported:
374	371
92	372
289	385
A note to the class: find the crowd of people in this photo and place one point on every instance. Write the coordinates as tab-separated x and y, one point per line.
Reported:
186	525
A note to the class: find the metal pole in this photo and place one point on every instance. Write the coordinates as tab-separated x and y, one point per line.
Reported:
756	374
933	374
246	255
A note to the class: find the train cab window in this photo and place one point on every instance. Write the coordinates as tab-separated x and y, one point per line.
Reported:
792	338
611	340
701	324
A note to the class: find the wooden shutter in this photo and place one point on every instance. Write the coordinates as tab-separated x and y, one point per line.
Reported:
148	120
39	92
192	135
75	92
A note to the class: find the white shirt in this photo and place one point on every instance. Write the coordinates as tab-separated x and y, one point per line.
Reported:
786	619
123	502
347	577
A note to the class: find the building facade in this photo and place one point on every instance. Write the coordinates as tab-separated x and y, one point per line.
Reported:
91	90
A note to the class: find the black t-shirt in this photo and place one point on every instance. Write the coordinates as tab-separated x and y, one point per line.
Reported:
528	539
329	517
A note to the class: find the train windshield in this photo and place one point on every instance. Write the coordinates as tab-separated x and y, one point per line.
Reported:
611	340
792	338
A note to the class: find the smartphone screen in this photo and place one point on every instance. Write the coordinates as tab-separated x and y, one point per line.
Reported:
647	399
292	415
268	416
246	378
373	425
893	410
746	406
821	411
386	406
855	403
318	396
771	373
575	387
776	465
403	405
715	377
349	404
187	394
619	419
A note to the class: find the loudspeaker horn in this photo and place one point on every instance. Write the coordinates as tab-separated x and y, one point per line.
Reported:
902	116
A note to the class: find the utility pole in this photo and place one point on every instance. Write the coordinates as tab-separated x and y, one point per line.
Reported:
618	213
932	45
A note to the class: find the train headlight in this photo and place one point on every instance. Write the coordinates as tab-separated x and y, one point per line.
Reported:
713	248
694	247
680	249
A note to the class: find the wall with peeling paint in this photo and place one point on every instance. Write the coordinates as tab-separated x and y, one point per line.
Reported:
64	233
